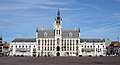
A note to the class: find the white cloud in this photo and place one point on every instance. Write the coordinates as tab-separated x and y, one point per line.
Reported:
93	6
45	2
72	8
116	15
106	28
29	4
118	0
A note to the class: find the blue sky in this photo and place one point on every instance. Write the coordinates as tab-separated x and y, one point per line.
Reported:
95	18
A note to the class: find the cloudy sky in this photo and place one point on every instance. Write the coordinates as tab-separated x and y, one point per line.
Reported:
95	18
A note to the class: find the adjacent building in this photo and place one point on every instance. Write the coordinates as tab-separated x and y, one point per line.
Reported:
1	40
1	47
23	47
4	48
93	47
57	42
113	49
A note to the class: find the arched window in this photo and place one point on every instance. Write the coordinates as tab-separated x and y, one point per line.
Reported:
39	42
54	32
77	41
29	46
70	41
58	41
23	46
45	41
98	46
50	42
65	42
59	32
58	48
87	46
42	42
19	46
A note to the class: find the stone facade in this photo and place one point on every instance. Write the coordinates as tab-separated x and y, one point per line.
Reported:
58	42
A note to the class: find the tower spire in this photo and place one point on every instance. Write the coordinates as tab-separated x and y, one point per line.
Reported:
58	13
58	20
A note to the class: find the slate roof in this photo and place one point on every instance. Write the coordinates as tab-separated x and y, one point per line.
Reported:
65	33
70	33
24	40
50	33
90	40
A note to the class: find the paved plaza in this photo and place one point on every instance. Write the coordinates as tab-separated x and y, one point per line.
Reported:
59	60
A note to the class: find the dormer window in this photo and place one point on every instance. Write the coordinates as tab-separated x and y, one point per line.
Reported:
45	34
70	34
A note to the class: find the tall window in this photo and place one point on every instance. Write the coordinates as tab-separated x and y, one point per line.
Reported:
23	46
70	41
73	41
59	32
58	41
77	41
38	47
19	46
65	44
42	41
38	42
54	32
45	41
51	42
67	41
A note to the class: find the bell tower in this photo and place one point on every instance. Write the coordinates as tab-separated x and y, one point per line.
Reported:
57	27
58	21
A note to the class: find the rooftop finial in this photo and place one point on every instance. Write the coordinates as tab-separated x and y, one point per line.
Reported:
37	29
58	13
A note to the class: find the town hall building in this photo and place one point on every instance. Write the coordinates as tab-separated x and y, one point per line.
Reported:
57	42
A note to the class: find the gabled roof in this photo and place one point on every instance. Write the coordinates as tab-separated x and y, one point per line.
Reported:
24	40
90	40
70	33
5	45
49	33
65	33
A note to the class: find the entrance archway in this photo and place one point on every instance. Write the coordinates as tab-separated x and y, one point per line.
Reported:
58	54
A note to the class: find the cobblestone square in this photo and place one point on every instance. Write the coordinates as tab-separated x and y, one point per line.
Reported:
59	60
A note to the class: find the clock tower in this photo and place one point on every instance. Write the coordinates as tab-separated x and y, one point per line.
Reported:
57	27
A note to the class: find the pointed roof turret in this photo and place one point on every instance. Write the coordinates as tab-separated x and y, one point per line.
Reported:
58	13
37	29
58	20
